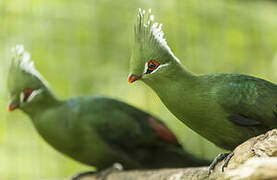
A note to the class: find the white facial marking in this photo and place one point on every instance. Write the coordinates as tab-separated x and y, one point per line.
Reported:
159	67
21	97
34	94
31	97
145	68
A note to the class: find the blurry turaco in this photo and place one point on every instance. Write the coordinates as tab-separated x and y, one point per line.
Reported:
226	109
94	130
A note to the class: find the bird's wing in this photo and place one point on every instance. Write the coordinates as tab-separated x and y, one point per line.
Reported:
129	127
249	101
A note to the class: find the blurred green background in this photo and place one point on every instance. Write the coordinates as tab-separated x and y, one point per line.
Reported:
83	47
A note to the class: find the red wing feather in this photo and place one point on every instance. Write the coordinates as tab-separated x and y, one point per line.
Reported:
162	131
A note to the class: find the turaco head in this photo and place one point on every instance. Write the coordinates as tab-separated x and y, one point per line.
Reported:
151	58
26	86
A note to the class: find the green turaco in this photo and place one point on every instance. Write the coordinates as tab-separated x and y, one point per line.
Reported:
226	109
94	130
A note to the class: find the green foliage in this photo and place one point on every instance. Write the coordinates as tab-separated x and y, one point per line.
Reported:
83	47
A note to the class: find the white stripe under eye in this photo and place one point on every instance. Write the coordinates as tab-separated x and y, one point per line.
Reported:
31	97
34	94
159	67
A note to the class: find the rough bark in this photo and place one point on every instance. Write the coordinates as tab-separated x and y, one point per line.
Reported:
255	159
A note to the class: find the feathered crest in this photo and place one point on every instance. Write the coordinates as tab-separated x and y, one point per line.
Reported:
21	61
149	32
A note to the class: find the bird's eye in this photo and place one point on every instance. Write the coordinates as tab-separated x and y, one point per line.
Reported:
151	66
27	93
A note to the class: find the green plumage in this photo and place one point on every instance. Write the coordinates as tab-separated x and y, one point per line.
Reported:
227	109
94	130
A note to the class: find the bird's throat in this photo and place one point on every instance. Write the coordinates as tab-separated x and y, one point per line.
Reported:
169	82
175	88
46	102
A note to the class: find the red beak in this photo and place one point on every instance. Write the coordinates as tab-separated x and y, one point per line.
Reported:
12	107
132	78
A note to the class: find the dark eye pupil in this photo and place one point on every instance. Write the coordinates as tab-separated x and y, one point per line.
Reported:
152	65
27	93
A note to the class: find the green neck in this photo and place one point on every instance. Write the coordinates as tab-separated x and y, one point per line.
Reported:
175	86
175	76
46	101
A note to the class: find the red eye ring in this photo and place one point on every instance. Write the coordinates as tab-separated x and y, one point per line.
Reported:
152	65
27	93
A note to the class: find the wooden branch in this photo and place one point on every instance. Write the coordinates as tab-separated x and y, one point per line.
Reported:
255	159
164	174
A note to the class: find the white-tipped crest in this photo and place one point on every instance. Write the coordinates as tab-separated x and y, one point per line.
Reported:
148	31
22	59
146	23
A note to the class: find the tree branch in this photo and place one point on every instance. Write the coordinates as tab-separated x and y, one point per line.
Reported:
255	159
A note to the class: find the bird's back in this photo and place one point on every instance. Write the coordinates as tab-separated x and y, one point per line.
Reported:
246	106
140	135
242	94
99	131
